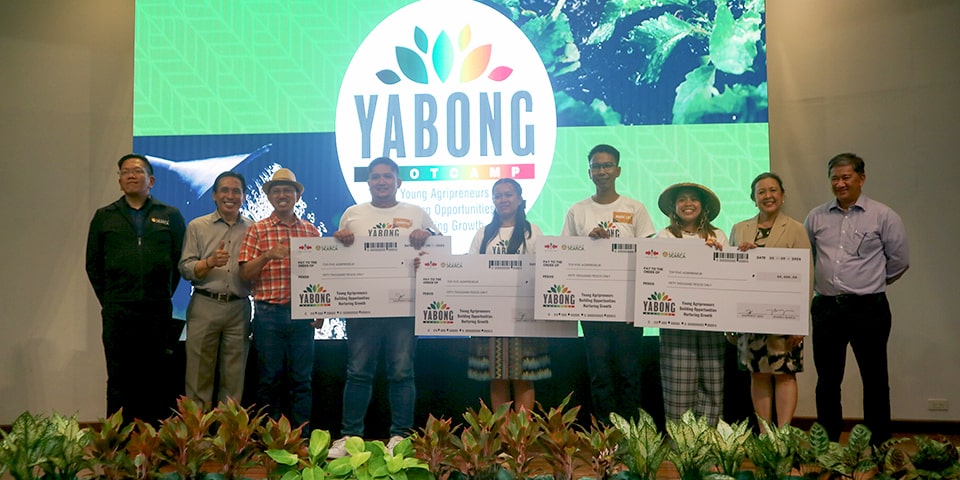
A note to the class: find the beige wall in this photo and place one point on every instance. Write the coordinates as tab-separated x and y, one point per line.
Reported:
878	77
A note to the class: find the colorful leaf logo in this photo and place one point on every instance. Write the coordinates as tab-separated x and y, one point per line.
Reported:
314	289
438	305
606	225
659	297
559	289
413	67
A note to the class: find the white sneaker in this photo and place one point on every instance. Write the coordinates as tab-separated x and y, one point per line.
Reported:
393	442
338	449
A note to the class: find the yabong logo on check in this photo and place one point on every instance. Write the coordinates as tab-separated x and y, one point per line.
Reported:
438	312
559	296
314	296
659	303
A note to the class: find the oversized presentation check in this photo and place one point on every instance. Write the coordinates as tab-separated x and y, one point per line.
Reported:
686	285
374	277
481	296
579	278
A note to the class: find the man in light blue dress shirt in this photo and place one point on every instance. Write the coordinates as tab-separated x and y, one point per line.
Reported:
859	247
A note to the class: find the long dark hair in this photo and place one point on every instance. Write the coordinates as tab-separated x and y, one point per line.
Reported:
521	227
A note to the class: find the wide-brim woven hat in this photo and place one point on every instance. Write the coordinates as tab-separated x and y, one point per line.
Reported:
708	199
281	176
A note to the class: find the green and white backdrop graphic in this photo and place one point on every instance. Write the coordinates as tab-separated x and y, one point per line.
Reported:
464	87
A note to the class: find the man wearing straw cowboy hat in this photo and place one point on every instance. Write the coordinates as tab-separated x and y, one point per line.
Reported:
284	346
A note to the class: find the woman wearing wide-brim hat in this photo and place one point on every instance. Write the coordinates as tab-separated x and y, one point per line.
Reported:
691	361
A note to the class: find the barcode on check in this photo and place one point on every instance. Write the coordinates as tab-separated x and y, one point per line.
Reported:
731	257
624	248
379	246
511	264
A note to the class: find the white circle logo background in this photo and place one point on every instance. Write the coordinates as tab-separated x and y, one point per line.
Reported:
457	194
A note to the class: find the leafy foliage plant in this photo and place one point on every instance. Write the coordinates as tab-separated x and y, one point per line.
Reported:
643	448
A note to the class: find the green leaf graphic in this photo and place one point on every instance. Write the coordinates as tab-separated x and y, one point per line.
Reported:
733	44
411	65
693	94
388	76
443	56
420	38
663	32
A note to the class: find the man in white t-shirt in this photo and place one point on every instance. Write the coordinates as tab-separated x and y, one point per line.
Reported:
612	348
366	337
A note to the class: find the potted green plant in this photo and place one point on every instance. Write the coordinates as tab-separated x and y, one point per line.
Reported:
728	446
559	439
372	460
691	438
600	448
520	432
37	446
141	447
235	446
106	454
184	442
275	436
436	445
643	448
480	442
291	466
934	460
774	451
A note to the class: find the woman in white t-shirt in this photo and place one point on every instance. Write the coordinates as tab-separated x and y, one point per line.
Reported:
508	362
691	361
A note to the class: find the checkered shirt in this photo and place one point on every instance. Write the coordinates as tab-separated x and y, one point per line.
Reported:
273	284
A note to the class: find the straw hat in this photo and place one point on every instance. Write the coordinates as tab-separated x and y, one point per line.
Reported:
710	201
283	176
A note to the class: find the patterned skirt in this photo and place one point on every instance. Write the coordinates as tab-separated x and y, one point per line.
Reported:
761	353
499	358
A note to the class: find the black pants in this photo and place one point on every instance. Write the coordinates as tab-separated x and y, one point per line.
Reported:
863	322
135	340
615	366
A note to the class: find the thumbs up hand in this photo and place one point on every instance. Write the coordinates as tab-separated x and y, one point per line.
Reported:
280	250
220	256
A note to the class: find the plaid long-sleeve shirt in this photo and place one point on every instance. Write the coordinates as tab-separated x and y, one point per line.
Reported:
273	284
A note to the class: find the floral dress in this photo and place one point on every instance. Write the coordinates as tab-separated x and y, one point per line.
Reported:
766	353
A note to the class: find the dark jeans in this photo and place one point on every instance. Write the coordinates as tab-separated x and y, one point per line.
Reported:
366	338
614	363
863	322
284	349
134	344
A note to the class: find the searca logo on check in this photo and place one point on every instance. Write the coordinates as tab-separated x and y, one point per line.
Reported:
433	264
664	254
568	247
322	248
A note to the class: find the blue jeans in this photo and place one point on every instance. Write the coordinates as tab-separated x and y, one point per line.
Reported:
285	360
366	337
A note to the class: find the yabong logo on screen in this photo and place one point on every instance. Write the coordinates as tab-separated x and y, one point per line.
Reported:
455	93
